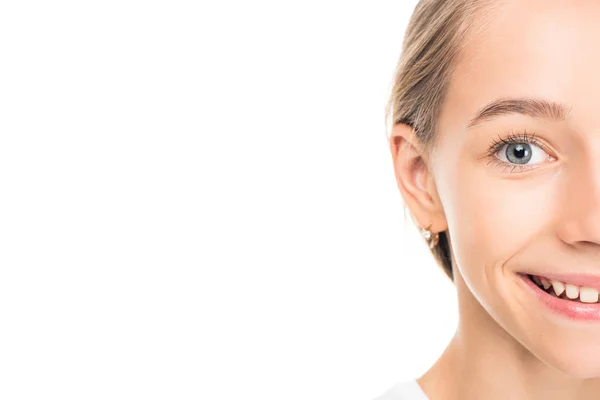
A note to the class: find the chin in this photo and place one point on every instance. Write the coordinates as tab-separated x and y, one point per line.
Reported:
574	360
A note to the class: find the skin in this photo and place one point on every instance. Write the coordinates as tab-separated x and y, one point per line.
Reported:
544	219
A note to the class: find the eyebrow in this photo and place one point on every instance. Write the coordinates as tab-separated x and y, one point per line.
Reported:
537	108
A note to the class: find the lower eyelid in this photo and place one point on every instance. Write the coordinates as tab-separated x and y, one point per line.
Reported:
521	167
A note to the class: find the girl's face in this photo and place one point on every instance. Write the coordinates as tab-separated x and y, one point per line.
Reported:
530	206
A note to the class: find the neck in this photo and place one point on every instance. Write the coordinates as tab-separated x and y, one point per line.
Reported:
483	361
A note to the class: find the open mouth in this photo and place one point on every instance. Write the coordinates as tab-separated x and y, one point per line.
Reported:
565	290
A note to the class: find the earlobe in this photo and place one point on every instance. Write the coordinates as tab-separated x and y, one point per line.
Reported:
414	178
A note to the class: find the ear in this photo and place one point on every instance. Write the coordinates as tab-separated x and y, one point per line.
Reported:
415	179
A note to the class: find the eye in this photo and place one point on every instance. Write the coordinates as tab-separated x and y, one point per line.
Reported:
519	151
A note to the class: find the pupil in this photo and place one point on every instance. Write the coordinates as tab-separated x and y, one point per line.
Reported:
519	153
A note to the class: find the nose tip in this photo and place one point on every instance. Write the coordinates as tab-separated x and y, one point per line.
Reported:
582	235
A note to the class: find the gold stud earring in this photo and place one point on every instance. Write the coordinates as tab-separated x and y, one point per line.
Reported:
432	240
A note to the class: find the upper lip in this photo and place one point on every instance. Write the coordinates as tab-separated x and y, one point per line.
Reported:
585	280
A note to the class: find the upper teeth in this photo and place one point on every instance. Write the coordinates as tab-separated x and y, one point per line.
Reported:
588	295
545	283
558	287
585	294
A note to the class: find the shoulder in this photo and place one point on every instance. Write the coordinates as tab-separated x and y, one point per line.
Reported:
406	390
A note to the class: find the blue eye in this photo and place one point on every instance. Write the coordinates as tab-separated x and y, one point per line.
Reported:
519	151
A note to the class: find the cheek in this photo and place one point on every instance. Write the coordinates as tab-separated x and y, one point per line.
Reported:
492	216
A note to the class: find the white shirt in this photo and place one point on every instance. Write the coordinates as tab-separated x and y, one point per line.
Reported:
408	390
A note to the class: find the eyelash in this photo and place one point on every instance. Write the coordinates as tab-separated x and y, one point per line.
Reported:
497	144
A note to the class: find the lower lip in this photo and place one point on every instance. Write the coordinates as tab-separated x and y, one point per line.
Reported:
570	309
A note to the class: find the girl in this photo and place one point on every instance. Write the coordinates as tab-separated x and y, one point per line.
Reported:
495	138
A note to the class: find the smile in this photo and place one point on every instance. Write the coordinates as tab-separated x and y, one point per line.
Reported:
565	296
566	291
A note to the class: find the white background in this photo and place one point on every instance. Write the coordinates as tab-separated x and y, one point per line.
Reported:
197	201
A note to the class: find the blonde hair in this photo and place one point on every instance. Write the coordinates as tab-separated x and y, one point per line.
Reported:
432	45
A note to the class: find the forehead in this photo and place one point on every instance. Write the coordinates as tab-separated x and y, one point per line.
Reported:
544	49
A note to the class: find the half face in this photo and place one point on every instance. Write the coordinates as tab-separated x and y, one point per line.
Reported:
517	169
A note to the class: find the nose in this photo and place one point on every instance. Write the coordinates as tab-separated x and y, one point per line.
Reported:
580	214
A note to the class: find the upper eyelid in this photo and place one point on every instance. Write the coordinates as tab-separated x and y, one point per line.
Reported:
519	137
